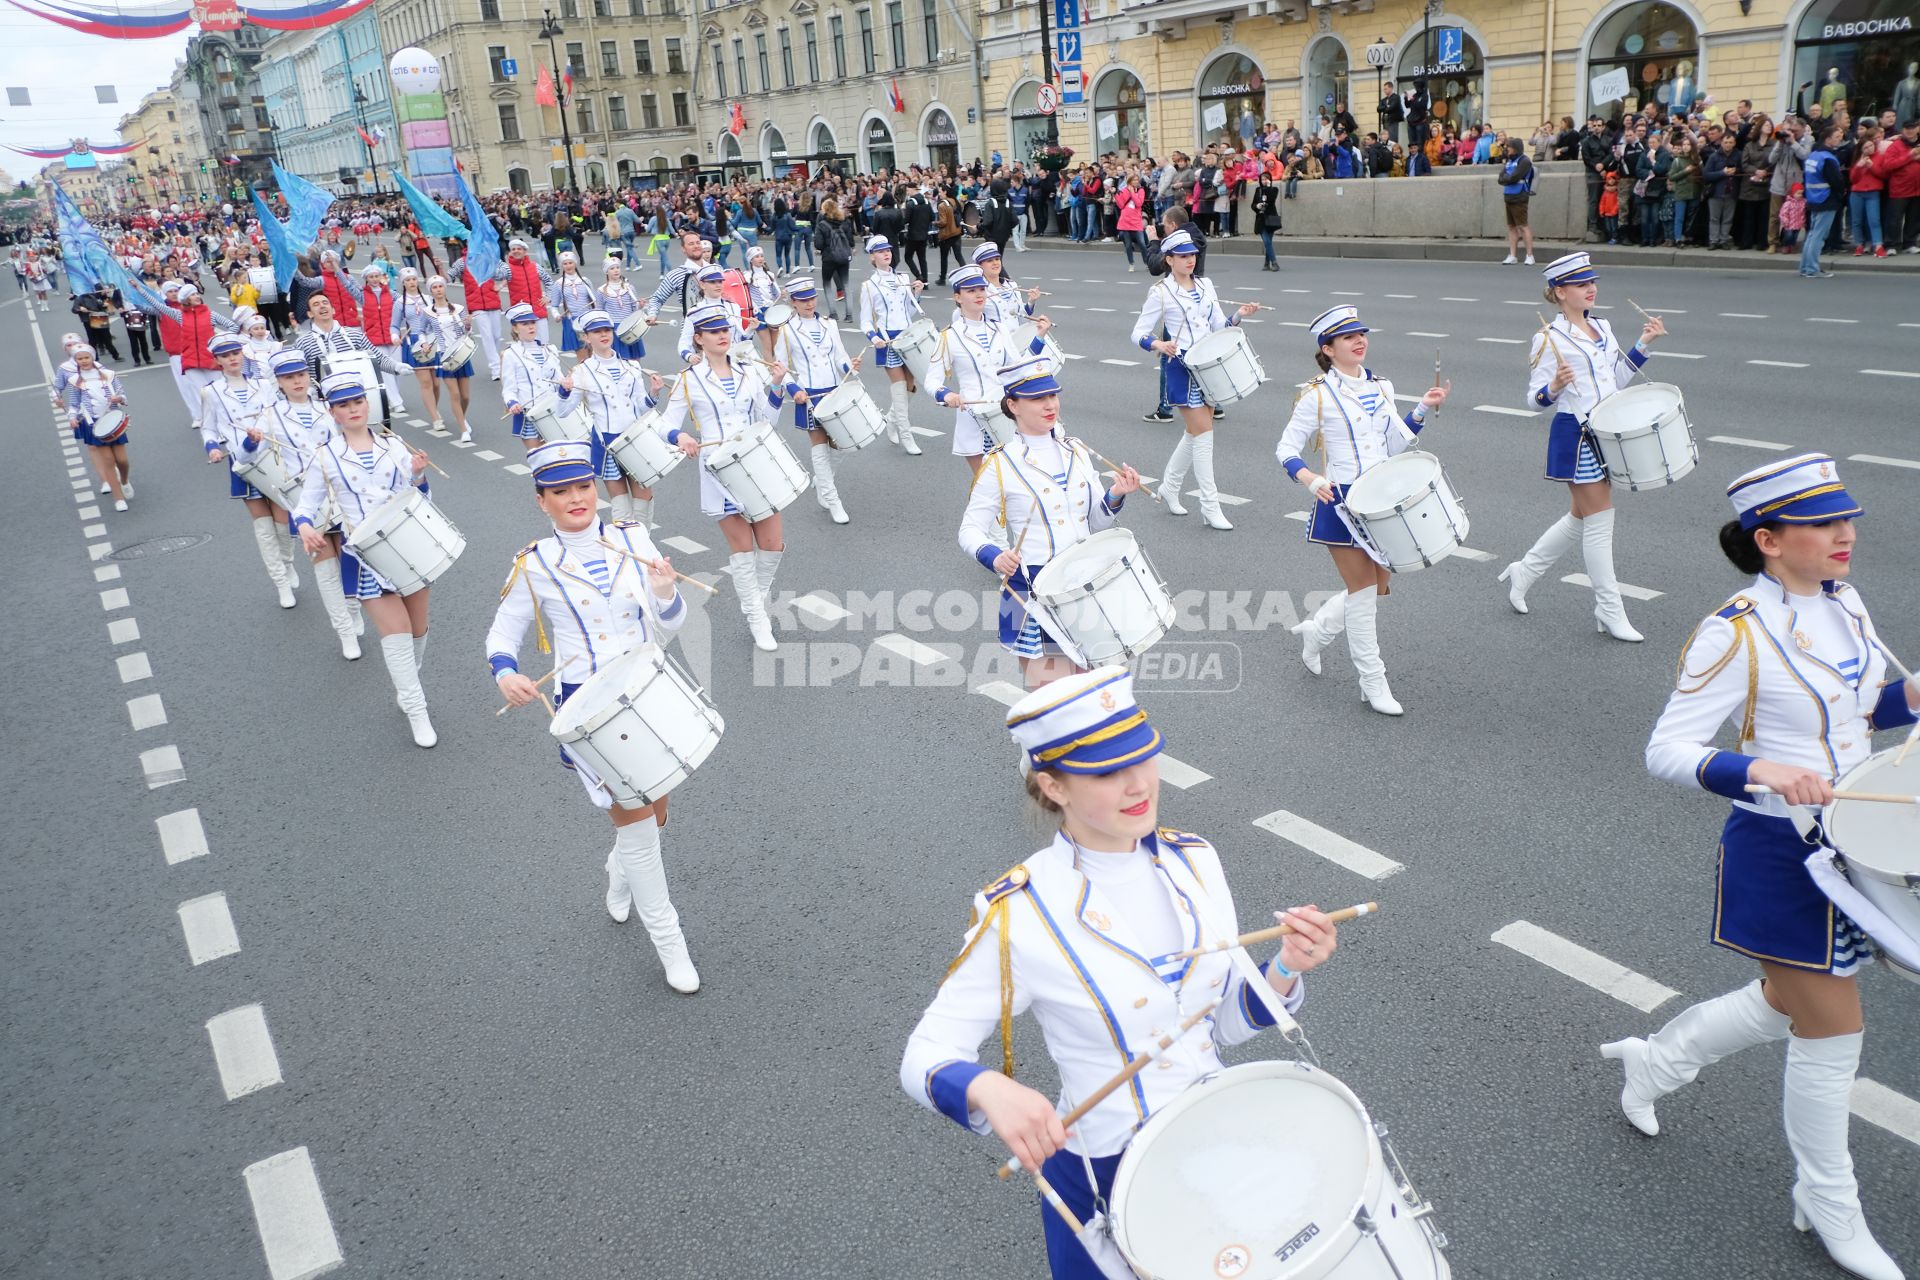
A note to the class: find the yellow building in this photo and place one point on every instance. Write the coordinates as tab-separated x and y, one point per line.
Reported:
160	165
95	189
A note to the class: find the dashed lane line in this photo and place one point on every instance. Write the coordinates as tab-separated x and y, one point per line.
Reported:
1301	516
1180	773
110	573
1347	293
1471	553
1627	589
1505	342
1332	846
1108	310
243	1051
1402	296
182	837
114	598
208	927
517	469
912	650
1307	291
1884	462
99	550
1742	315
927	431
162	767
1779	364
1227	498
1893	373
820	607
1745	443
134	667
1001	692
487	455
1890	1110
1124	364
1679	355
90	513
1459	299
123	631
1421	333
295	1231
680	542
146	712
1505	410
1831	320
1583	966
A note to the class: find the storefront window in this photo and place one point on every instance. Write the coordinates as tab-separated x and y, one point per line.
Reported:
774	144
1233	99
879	141
1866	52
1120	115
942	139
1642	55
1326	83
1449	60
1029	126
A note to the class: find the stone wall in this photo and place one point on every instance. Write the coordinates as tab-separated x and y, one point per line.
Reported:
1461	203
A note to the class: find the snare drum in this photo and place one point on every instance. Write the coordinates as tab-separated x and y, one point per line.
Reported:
639	725
1643	435
1880	844
407	541
775	315
108	428
758	471
552	421
1269	1171
916	345
632	329
458	352
642	454
848	415
264	471
1406	512
339	362
425	350
1224	365
1102	598
1023	343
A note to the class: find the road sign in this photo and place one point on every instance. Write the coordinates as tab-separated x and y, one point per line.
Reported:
509	67
1380	55
1073	86
1073	115
1066	49
1045	99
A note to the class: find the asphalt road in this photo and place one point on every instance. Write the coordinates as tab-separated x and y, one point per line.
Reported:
492	1079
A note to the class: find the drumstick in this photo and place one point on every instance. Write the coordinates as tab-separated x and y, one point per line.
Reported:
1017	544
1052	1197
1436	366
1277	931
655	564
1116	469
1644	312
1546	327
1913	736
418	453
1258	306
1139	1063
1877	797
537	683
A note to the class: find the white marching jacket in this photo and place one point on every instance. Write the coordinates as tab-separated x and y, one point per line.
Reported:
1187	315
585	629
360	492
1600	367
615	392
1356	419
1054	516
813	352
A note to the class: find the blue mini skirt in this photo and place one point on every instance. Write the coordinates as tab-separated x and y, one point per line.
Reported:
1767	906
1571	457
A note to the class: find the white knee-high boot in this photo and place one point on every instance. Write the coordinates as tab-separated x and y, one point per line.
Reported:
619	892
619	508
326	579
637	846
1609	612
902	428
420	651
404	670
766	565
268	543
1321	629
1363	643
642	510
1203	481
288	548
824	487
1176	475
1562	536
1696	1037
1819	1082
746	584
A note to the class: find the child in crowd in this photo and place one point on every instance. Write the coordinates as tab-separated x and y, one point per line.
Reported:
1610	205
1793	219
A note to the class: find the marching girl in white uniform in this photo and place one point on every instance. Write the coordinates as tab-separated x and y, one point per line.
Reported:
763	291
1032	498
230	408
710	279
90	393
595	604
1796	657
965	372
618	300
413	324
529	369
817	363
713	400
260	344
1188	309
450	322
571	295
616	399
1353	413
889	302
295	426
1576	362
1005	306
1083	935
360	471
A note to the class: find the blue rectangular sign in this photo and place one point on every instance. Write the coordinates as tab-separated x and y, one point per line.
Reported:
509	67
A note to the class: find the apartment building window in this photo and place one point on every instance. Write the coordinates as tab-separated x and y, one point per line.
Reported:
682	116
897	32
930	22
636	8
760	56
496	59
577	59
740	63
837	36
509	123
813	52
569	8
643	57
719	72
676	63
786	58
649	111
868	63
609	57
617	114
490	10
603	8
583	114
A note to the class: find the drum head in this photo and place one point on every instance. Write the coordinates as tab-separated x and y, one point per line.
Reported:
1881	840
1637	407
776	315
1213	347
917	333
1084	562
835	402
393	511
109	424
1384	485
732	450
634	667
1254	1173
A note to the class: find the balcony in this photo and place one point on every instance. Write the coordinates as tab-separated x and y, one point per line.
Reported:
1172	17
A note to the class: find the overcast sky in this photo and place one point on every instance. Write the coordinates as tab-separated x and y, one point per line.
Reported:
60	68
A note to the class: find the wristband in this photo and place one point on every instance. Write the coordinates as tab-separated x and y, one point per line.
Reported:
1419	413
1274	966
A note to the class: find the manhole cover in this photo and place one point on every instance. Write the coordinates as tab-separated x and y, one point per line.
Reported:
160	546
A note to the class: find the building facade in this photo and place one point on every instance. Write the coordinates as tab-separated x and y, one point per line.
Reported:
218	84
98	189
161	159
323	87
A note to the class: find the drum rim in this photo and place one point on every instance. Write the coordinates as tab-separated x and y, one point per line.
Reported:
406	500
1847	782
1085	589
854	391
1233	338
593	721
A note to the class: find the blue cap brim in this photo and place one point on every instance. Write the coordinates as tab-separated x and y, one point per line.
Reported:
1822	505
346	397
712	326
562	473
1187	251
1142	742
1582	276
1343	330
598	328
1033	388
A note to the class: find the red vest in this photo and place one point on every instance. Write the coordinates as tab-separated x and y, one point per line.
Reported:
169	335
523	285
480	297
376	317
344	309
196	331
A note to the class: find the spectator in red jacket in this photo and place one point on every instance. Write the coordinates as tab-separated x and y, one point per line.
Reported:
1131	201
1897	165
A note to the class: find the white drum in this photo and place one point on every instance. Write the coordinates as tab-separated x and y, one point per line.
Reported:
916	345
552	420
642	454
632	329
408	541
848	415
640	725
264	471
776	315
1023	343
1881	846
758	471
425	348
458	352
1102	598
332	362
1406	512
1224	365
109	427
1269	1171
1643	435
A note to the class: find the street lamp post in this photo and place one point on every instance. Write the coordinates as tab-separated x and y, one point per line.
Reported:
549	28
360	118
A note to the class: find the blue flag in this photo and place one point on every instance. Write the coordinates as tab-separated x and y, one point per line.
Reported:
279	243
434	220
89	260
307	207
483	244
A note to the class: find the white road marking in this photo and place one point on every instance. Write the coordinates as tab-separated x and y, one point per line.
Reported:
1742	315
1627	589
109	574
1124	364
1407	399
1108	310
1469	553
1061	306
821	607
1666	311
1584	966
90	513
1335	848
1831	320
1519	302
182	837
1002	692
1310	291
1678	355
123	631
1890	1109
1779	364
208	926
1074	355
517	469
116	598
163	767
146	712
134	666
83	487
1301	516
99	550
1384	295
1181	774
912	650
681	543
465	444
1347	293
416	422
927	431
295	1231
1885	373
94	531
1419	333
1749	444
1505	342
487	455
1885	462
243	1051
1459	299
1227	498
1506	410
1294	324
